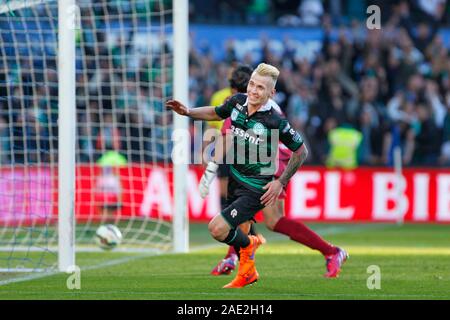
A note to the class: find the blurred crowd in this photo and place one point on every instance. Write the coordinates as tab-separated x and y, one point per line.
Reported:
391	85
121	85
305	12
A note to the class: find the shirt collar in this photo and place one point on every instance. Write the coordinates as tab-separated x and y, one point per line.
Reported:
265	107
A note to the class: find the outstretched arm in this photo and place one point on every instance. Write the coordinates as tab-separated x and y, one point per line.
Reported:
202	113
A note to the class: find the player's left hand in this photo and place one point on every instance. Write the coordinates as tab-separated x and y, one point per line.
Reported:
274	189
178	107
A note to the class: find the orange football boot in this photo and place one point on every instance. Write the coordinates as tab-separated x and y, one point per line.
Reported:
247	273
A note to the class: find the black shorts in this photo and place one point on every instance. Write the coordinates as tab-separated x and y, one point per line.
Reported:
223	171
242	203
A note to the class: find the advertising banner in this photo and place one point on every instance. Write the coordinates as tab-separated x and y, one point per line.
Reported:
313	194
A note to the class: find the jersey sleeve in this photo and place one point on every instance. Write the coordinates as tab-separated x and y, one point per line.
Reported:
291	138
224	110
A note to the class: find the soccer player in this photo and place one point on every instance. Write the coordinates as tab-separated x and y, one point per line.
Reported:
238	81
274	216
251	186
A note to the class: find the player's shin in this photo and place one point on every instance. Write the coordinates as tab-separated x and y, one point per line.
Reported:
237	238
299	232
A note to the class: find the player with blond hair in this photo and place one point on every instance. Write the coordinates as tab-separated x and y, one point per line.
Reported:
273	215
251	187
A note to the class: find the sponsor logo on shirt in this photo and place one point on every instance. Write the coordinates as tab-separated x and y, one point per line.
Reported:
246	135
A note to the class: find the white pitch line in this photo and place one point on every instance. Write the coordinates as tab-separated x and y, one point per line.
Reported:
326	231
93	267
263	294
27	278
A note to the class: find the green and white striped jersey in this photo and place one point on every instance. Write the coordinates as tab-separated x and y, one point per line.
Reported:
253	156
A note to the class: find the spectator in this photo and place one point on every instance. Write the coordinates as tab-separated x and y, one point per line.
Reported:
232	12
371	118
85	138
310	12
258	12
108	137
30	139
138	146
344	143
203	11
299	105
108	191
392	84
4	140
401	112
432	9
104	84
445	150
427	140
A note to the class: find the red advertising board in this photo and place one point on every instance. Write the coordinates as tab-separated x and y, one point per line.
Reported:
314	194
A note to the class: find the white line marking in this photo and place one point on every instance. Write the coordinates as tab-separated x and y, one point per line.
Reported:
325	231
93	267
222	293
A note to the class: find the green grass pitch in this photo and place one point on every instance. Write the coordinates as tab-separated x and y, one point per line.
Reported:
414	262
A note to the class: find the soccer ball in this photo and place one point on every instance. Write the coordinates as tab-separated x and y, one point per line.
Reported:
108	236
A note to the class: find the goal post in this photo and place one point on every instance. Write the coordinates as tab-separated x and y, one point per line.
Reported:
85	138
181	85
67	134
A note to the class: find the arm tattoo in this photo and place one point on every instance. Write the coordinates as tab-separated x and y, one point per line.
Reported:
294	163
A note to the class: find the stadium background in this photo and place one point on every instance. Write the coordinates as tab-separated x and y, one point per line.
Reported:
390	85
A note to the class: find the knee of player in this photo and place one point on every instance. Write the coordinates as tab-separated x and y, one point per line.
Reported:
215	229
270	224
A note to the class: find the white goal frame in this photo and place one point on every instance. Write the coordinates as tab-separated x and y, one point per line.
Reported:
67	13
67	118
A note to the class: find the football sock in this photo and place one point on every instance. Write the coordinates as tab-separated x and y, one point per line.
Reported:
231	251
237	238
299	232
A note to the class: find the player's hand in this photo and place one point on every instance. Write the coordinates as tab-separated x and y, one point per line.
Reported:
274	189
178	107
207	177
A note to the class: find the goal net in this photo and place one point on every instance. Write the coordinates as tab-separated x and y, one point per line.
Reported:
123	168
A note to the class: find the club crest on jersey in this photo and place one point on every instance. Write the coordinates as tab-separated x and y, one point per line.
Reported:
259	129
239	107
234	114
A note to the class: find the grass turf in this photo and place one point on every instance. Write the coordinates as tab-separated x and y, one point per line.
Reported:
414	262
